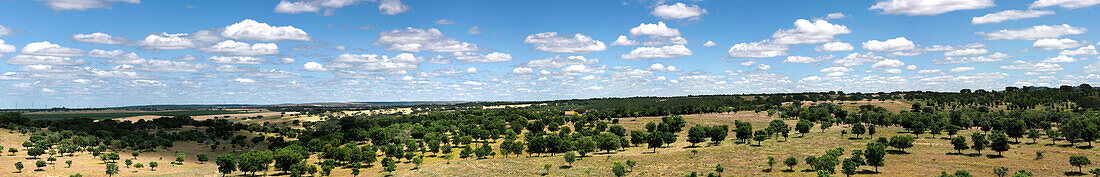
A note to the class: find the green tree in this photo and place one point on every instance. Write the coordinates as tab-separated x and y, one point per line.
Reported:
960	143
718	168
771	162
790	162
999	142
19	166
849	167
585	145
760	136
979	141
631	163
129	162
569	158
803	127
202	158
1000	171
1079	161
388	165
875	155
153	166
901	142
41	164
227	163
68	163
697	134
547	167
618	169
112	169
858	129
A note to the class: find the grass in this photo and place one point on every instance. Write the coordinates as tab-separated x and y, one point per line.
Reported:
111	115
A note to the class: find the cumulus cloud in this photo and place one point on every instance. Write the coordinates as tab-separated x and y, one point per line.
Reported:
1034	32
922	7
165	66
236	60
1068	4
63	5
658	29
522	70
50	49
471	57
1055	44
392	7
835	71
856	59
709	44
805	59
996	56
671	51
624	41
896	44
834	47
965	52
1031	66
962	69
929	71
43	60
230	47
99	38
555	43
1060	59
166	41
250	30
1087	50
6	48
388	7
888	63
415	40
313	66
678	11
558	62
761	49
662	68
378	63
1093	68
1010	15
4	31
835	15
807	32
296	7
118	56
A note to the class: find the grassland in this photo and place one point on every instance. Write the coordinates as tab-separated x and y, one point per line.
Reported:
928	157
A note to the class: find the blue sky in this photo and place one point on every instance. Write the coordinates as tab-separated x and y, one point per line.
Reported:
95	53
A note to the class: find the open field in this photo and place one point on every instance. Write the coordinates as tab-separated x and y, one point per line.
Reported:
928	157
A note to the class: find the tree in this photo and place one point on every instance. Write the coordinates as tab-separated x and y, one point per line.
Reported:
139	165
1079	160
743	131
417	161
718	168
655	141
999	142
618	169
13	151
388	165
227	163
202	158
790	162
19	166
255	161
585	145
68	163
871	130
697	134
803	127
875	154
569	158
41	164
631	163
718	134
112	169
129	162
1095	171
858	129
35	152
825	124
979	141
547	167
153	166
761	135
771	162
179	158
1033	134
960	143
901	142
1000	171
849	167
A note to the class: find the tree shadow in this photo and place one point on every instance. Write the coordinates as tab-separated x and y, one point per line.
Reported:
867	172
1084	147
809	170
973	155
896	152
565	167
1073	173
1065	145
994	156
787	170
767	170
854	138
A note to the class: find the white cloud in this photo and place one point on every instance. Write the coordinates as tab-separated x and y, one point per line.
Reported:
416	40
62	5
763	67
929	71
474	30
836	71
296	7
43	60
896	44
255	31
659	29
856	59
925	7
146	83
313	66
807	32
522	70
555	43
663	68
624	41
962	69
1055	44
1068	4
888	63
1034	32
1009	15
709	44
966	52
166	41
444	22
892	71
802	59
50	49
4	31
286	60
558	62
1024	65
165	66
244	80
230	47
678	11
996	56
378	63
911	67
471	57
834	47
392	7
1093	68
588	78
671	51
118	56
578	69
762	49
6	48
835	15
1087	50
1060	59
236	60
99	38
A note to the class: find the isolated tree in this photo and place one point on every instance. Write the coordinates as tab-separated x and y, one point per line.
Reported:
139	165
960	143
771	162
718	168
901	142
1033	134
825	124
655	141
718	133
871	130
153	166
227	163
19	166
388	165
616	168
858	129
849	167
39	164
584	145
761	135
790	162
607	142
547	167
12	151
1079	160
112	169
697	134
569	158
999	142
202	158
1000	171
743	131
803	127
875	154
129	162
68	163
978	141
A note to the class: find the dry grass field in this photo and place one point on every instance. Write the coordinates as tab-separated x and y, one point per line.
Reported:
928	157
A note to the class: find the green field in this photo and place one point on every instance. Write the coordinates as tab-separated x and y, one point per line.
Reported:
59	116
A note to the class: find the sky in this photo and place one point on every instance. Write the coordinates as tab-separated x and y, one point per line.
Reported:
101	53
